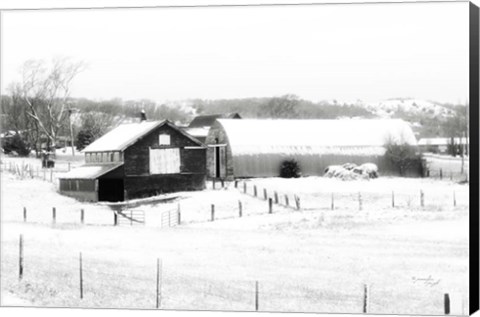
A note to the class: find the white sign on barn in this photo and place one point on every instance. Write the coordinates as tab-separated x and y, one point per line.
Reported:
165	161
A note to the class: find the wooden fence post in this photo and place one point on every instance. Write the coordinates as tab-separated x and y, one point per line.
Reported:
441	174
20	258
297	201
286	201
454	200
360	203
213	183
422	198
236	183
446	303
244	187
222	182
393	199
333	203
24	214
276	197
159	289
255	190
240	209
179	214
365	298
270	206
54	215
81	276
265	194
115	218
82	216
256	296
213	213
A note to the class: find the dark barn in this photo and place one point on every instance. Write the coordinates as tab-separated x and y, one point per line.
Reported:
138	160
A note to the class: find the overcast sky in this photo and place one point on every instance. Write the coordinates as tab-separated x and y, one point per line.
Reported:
345	52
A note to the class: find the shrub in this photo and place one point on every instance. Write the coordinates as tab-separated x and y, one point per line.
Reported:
404	157
290	169
17	145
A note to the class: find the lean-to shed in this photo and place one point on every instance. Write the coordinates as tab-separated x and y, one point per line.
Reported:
138	160
256	148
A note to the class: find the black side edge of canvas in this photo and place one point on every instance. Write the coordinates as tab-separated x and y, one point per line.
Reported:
474	162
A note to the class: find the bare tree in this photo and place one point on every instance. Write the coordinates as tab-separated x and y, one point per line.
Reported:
46	91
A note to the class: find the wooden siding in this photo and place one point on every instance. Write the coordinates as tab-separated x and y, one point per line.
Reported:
81	189
146	186
136	157
218	133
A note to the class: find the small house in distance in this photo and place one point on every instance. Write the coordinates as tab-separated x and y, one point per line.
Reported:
200	125
440	145
138	160
257	148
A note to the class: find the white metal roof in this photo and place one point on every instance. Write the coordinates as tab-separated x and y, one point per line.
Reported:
284	136
90	171
198	132
122	136
441	141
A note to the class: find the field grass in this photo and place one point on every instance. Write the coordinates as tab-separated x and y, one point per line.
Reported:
312	260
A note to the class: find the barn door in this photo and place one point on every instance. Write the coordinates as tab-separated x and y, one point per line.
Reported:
220	167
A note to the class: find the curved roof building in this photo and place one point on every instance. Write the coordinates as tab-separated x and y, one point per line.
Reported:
256	148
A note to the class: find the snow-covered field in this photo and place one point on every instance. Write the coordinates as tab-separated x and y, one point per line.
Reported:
315	259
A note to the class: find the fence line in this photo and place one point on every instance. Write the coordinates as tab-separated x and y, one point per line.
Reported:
28	171
338	201
233	292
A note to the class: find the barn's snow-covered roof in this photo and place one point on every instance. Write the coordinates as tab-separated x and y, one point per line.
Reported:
122	136
280	136
198	132
125	135
90	171
209	120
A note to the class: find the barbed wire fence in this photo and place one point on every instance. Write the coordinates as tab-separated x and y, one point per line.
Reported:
81	278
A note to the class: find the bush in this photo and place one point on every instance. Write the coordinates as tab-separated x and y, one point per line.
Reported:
290	169
404	157
17	145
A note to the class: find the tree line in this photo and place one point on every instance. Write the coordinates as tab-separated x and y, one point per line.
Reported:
40	110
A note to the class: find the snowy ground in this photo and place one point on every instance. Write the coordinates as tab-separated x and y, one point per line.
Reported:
314	260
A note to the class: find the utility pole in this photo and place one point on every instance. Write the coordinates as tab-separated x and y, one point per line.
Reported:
70	110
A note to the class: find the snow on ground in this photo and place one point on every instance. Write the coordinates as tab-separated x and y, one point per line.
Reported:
313	260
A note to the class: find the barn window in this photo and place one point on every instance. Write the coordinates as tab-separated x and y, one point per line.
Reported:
164	139
165	161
